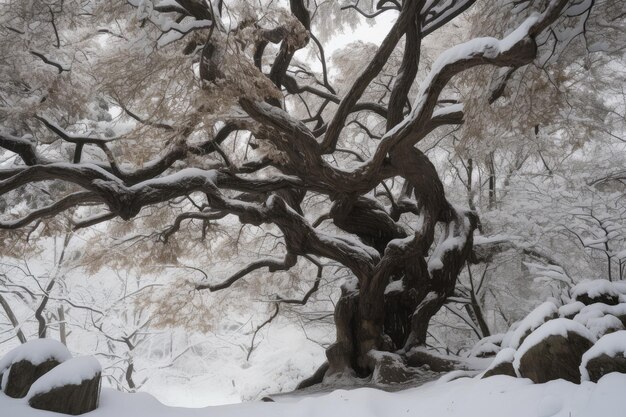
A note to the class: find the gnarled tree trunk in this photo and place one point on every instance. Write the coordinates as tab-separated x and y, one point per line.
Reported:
370	317
401	277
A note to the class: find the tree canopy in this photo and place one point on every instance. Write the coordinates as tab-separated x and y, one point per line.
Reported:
167	126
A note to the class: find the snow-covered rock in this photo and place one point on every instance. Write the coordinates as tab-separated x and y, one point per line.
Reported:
607	355
596	291
532	321
487	346
599	326
600	310
568	311
73	387
71	372
553	351
36	351
620	286
22	366
502	364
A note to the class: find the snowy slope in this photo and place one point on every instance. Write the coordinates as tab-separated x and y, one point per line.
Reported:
497	396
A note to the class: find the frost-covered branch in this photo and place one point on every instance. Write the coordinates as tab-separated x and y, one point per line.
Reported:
271	264
68	202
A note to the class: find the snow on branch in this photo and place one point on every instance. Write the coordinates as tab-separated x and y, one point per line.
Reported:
70	137
204	216
437	13
272	264
81	174
22	147
515	50
65	203
376	64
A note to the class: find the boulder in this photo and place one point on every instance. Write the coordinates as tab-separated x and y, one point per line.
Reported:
603	298
605	364
502	364
619	311
606	356
22	366
541	314
553	351
487	347
71	388
503	368
570	310
23	374
596	291
601	326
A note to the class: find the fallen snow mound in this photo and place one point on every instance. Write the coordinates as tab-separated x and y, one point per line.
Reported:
599	310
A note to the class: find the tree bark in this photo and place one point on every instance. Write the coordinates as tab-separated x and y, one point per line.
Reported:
369	320
492	180
62	326
9	312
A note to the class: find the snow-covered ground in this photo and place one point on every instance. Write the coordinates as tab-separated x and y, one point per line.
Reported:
220	373
499	396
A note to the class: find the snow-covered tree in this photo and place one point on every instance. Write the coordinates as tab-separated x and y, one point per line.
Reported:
202	130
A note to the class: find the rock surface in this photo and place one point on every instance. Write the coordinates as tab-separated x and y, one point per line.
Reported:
555	357
502	364
535	319
603	298
23	374
24	364
605	364
504	368
608	355
70	399
596	291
